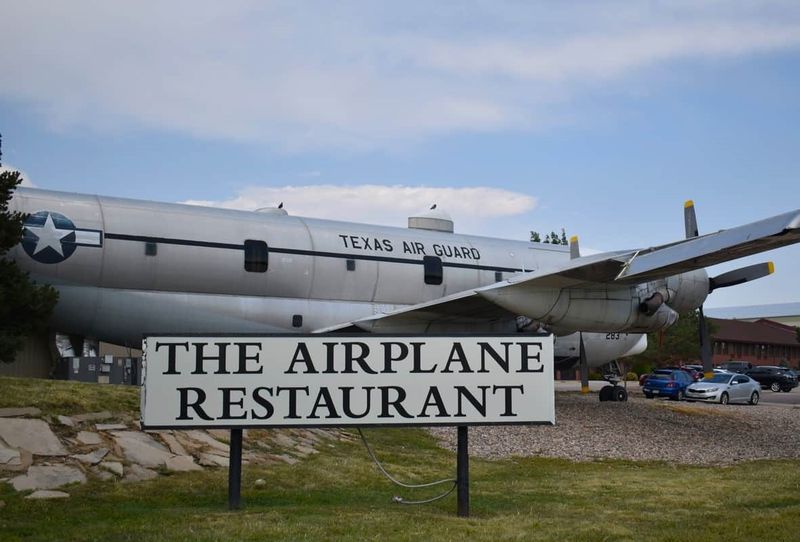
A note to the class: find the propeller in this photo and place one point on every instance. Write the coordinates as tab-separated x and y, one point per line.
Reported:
730	278
574	248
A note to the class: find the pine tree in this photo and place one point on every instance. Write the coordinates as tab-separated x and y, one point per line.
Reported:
24	305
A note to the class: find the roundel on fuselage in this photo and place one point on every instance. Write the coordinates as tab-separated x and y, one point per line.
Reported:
48	237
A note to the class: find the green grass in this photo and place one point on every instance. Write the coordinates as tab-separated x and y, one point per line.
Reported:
338	495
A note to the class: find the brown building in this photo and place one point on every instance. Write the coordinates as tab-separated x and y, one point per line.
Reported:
762	342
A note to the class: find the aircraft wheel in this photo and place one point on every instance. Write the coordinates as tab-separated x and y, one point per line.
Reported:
607	393
620	394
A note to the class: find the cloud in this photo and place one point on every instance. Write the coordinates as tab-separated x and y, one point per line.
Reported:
25	179
470	208
354	76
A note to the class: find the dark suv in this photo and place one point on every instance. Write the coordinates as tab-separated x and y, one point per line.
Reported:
736	366
774	378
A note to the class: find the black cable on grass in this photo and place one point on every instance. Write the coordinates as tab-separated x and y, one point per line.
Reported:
401	500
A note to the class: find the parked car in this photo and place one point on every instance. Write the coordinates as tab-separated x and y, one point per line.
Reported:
774	378
725	388
670	383
688	370
698	368
736	366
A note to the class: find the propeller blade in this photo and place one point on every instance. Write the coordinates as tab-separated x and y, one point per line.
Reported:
574	248
705	345
690	223
741	275
584	365
690	220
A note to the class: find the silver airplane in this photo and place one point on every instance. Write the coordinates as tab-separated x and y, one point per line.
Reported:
125	268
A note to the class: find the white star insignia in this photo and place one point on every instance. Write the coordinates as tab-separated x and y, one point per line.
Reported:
48	236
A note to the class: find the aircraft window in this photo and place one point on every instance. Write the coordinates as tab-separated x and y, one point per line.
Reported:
297	320
498	276
351	265
150	248
433	269
256	256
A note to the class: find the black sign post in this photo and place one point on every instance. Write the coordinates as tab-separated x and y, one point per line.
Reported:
235	470
462	471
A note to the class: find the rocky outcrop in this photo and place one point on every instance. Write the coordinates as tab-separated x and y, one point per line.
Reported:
80	448
32	435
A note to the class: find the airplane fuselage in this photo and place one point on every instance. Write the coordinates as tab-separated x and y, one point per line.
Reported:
125	268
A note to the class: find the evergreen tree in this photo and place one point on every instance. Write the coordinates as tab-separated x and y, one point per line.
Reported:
24	305
535	237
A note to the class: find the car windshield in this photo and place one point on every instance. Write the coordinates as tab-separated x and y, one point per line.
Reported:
718	379
661	376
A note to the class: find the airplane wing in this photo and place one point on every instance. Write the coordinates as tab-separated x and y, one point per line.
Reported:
621	267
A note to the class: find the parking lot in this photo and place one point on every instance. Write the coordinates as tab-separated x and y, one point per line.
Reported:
648	429
768	397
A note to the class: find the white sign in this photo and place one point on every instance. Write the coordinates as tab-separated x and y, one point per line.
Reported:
327	380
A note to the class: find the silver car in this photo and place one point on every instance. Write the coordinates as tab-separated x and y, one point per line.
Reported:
725	388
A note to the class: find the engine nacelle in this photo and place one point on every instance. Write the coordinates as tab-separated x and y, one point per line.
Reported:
601	309
683	292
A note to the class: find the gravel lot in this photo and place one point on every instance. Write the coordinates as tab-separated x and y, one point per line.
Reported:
642	430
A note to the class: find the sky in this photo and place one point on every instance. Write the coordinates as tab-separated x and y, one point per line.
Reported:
598	117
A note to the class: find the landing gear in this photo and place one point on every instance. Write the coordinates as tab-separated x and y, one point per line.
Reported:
613	392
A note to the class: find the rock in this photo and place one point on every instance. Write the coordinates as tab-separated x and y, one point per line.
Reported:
141	448
260	482
113	466
110	426
200	438
305	451
285	458
32	412
44	494
174	446
182	463
104	475
32	435
89	438
137	473
66	420
213	460
220	434
283	440
92	458
48	477
92	416
10	459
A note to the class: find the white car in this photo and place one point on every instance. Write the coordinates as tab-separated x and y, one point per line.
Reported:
725	388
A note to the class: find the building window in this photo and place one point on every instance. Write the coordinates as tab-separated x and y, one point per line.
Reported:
351	265
433	269
256	256
150	248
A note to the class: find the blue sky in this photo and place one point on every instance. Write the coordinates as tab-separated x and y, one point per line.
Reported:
599	117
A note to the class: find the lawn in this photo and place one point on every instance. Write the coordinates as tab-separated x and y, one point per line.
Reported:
339	495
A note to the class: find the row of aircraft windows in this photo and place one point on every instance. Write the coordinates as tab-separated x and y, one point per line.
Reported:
256	260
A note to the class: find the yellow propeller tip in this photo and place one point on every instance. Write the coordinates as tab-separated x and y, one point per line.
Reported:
689	203
771	267
573	239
